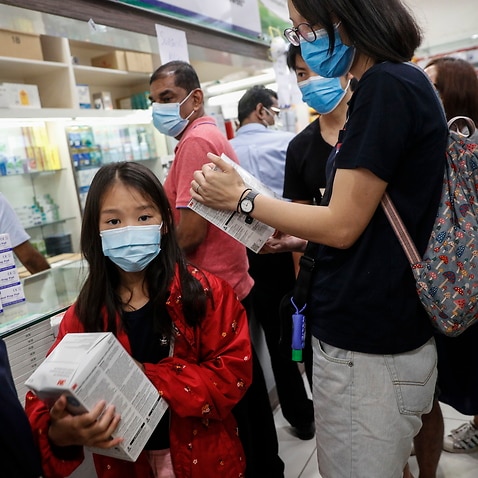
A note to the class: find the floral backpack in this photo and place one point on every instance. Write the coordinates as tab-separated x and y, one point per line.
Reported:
447	275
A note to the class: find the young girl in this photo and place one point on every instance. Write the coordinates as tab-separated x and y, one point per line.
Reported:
374	354
185	328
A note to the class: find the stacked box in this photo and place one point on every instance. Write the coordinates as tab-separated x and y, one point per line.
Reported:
11	289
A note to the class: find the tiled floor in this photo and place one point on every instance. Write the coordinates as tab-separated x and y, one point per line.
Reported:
301	461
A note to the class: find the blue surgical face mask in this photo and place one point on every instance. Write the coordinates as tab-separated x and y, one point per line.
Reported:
322	94
167	117
316	55
132	248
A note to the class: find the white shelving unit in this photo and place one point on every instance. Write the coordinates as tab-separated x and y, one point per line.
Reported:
68	63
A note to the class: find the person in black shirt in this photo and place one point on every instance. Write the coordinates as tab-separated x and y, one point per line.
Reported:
375	361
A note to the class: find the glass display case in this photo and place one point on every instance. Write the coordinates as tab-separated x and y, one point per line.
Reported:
27	328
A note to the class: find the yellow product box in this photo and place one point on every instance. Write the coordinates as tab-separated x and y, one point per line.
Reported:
115	59
19	95
89	367
20	45
139	62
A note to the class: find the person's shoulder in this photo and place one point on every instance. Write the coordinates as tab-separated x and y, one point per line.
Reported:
209	281
407	71
311	130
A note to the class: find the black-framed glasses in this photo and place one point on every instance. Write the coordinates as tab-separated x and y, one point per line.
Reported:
302	30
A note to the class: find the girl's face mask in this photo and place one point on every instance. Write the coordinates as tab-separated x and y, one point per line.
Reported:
132	248
167	117
316	55
322	94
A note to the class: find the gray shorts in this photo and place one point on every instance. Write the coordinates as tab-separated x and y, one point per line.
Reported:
368	408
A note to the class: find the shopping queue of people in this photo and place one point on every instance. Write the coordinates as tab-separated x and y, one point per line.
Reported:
367	325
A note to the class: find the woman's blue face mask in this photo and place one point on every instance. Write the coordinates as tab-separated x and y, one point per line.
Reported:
316	55
322	94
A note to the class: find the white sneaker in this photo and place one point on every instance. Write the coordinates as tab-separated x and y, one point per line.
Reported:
463	439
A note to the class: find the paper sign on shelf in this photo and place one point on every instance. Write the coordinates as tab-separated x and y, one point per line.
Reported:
253	234
172	44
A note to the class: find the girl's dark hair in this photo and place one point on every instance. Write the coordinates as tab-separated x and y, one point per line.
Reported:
99	290
457	83
384	30
184	75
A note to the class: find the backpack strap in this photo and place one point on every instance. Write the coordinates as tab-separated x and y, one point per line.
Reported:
400	230
469	123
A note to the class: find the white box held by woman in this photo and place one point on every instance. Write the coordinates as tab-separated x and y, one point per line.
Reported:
90	367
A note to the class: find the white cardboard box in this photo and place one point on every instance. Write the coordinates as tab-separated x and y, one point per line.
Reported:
19	95
90	367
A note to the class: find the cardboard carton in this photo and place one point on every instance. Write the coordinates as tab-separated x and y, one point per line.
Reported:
90	367
114	59
20	45
139	62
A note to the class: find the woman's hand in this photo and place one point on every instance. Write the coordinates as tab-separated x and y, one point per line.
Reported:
94	428
217	185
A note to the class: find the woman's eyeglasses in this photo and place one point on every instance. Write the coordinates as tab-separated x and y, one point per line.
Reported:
303	30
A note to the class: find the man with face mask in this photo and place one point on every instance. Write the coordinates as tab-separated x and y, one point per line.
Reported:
178	111
308	151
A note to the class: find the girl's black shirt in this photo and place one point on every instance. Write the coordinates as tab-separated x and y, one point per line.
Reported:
148	347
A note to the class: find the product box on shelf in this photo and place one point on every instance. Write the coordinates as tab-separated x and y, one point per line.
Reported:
11	289
19	95
102	100
89	367
139	62
20	45
114	59
84	100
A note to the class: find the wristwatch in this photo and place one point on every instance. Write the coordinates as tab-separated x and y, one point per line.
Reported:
246	204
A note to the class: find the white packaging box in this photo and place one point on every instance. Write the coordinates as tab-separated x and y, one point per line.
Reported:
11	289
84	99
19	95
90	367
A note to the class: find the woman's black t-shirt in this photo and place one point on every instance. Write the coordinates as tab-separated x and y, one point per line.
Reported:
364	298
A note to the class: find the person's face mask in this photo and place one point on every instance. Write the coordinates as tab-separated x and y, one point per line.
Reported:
274	114
319	60
132	248
167	117
322	94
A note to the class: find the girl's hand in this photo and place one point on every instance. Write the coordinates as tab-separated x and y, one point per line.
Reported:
94	428
217	185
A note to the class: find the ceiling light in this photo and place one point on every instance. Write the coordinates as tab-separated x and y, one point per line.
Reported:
244	83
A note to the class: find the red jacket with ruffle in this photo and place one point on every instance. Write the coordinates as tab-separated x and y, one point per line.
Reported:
207	375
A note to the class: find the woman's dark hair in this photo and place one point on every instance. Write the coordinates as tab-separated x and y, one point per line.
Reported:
457	83
251	98
384	30
99	290
184	75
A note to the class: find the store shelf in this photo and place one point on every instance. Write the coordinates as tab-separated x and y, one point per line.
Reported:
57	114
110	77
50	223
11	69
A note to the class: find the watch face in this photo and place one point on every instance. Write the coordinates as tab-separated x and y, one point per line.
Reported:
246	205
